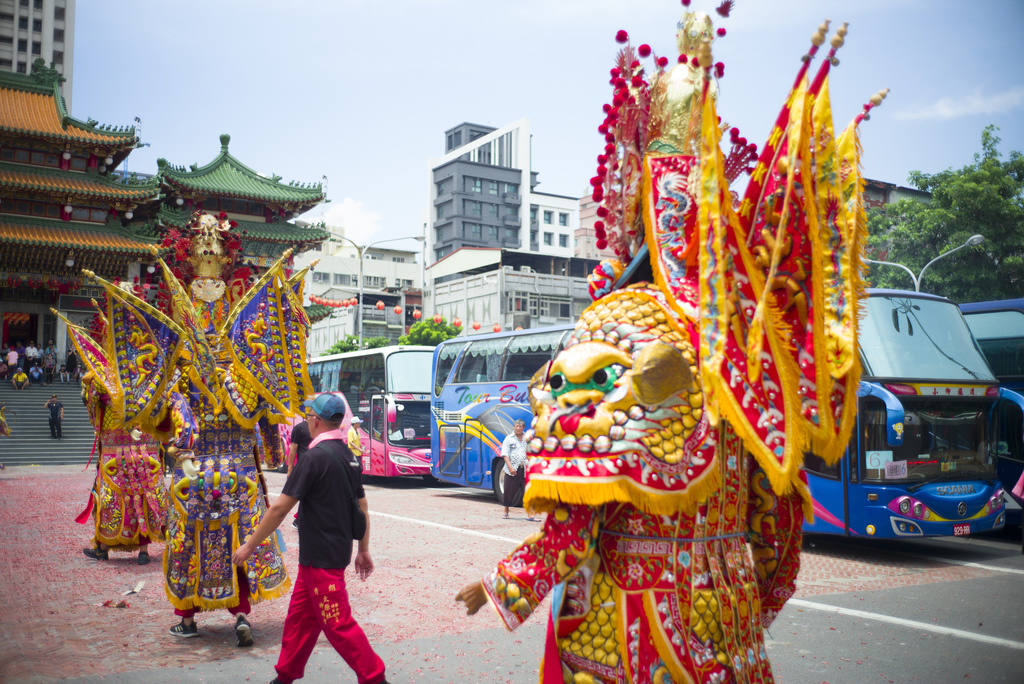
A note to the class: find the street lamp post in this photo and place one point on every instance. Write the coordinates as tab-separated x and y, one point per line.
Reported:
972	241
361	249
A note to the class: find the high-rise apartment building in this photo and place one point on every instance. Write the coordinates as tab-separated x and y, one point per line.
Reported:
483	194
39	29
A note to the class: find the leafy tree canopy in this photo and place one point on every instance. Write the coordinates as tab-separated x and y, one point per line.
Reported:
984	198
351	343
429	333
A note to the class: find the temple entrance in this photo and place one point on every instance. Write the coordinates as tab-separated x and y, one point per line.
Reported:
19	327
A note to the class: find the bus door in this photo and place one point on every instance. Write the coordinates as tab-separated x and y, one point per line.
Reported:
459	449
376	445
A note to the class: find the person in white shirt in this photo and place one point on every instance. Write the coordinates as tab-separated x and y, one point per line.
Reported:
513	450
31	353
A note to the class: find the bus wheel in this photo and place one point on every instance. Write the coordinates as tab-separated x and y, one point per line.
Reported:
498	479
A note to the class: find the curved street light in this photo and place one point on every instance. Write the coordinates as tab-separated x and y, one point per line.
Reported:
972	241
361	249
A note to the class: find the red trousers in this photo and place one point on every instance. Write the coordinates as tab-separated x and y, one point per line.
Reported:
320	604
243	599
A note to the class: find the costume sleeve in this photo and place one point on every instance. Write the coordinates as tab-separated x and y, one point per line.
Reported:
521	581
776	534
273	452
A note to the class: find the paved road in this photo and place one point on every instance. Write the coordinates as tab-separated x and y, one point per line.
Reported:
932	611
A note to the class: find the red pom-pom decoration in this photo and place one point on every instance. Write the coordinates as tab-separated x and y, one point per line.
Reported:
621	37
599	225
720	32
602	212
636	81
606	108
596	181
645	50
719	70
609	138
682	59
615	72
603	129
695	62
663	62
602	244
686	3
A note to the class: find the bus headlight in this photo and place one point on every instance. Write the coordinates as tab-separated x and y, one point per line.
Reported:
401	459
918	509
904	506
995	503
910	507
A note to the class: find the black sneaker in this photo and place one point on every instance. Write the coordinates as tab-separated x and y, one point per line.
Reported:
243	630
144	558
95	553
185	631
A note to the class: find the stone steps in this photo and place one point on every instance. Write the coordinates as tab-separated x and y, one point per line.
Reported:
30	442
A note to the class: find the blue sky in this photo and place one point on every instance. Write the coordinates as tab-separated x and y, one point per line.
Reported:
362	91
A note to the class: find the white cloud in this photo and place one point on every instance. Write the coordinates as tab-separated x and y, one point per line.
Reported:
954	108
353	218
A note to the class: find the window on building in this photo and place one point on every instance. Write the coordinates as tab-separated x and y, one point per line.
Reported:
443	233
512	211
37	25
342	279
492	187
397	259
5	63
58	13
511	187
548	215
492	210
474	184
6	16
58	56
442	187
533	214
563	219
373	257
440	212
483	154
374	281
37	47
471	207
6	40
23	3
492	233
443	251
23	23
473	231
38	4
58	35
512	234
458	138
22	45
563	240
321	277
450	142
21	68
549	238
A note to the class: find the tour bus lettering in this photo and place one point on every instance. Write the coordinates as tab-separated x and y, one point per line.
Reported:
509	395
464	397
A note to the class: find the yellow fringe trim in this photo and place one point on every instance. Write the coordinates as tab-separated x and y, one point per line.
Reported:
543	494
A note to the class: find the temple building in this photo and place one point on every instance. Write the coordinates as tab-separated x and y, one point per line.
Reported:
61	210
64	207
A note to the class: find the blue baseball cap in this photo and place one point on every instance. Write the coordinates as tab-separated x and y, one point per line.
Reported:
330	407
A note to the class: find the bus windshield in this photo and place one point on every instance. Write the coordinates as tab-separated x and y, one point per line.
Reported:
917	339
409	372
411	426
941	438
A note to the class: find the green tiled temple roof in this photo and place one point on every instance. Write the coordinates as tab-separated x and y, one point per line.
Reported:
40	179
278	231
225	176
318	312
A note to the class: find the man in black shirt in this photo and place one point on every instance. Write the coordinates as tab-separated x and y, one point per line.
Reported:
319	598
56	416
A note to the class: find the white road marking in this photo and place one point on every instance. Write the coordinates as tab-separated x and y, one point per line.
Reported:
459	530
969	564
923	626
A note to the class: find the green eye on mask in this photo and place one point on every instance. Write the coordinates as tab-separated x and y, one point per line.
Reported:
602	380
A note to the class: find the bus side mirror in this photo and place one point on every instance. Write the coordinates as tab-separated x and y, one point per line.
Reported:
894	414
392	414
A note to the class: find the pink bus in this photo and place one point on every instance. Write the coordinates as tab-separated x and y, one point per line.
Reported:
389	390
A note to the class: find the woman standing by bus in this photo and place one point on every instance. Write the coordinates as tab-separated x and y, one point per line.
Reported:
513	450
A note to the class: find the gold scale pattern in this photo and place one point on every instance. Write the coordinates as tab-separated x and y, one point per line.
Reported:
595	639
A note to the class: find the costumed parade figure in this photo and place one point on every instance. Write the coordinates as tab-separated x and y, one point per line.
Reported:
228	358
721	346
129	501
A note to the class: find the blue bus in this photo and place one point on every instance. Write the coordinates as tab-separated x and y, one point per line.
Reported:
480	390
922	459
998	328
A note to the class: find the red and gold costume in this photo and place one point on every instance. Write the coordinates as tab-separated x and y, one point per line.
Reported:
721	346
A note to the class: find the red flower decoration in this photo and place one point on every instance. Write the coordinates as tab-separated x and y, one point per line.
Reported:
621	37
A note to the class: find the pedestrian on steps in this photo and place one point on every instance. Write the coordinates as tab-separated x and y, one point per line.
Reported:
56	416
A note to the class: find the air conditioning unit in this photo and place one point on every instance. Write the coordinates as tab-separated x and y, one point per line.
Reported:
525	269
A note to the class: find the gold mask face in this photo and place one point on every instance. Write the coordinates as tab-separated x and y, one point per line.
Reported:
208	289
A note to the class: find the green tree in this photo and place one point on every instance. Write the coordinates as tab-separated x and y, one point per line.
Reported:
986	198
429	334
351	343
